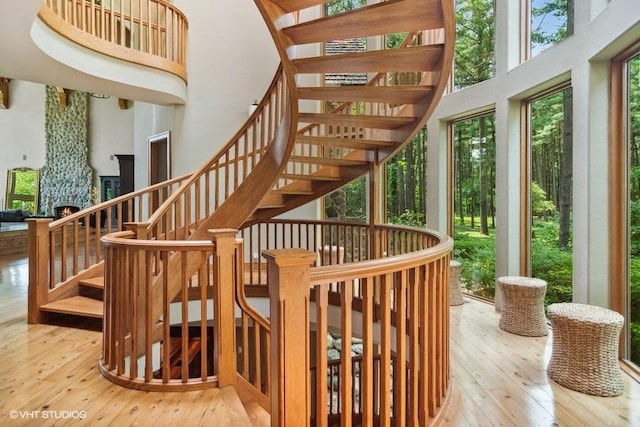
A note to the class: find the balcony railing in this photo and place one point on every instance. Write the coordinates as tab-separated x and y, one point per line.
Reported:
147	32
393	297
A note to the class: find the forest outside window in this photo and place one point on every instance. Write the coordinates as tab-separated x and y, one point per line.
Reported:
23	186
549	218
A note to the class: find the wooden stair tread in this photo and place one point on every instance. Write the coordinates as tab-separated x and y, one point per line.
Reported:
94	282
362	144
377	19
286	191
258	416
270	206
77	305
294	5
327	161
389	94
311	177
410	59
362	121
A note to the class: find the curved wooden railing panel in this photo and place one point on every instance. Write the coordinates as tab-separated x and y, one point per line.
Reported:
147	32
334	242
139	351
398	308
237	167
396	305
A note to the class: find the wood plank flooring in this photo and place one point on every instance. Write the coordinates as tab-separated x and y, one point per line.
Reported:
498	379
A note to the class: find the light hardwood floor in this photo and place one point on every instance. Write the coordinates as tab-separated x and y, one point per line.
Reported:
498	378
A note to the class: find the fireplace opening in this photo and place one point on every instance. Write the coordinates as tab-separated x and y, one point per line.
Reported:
66	210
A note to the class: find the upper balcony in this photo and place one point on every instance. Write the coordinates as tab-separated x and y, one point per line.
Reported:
129	49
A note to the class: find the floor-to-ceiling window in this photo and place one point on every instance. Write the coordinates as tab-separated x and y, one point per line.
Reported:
633	147
550	145
473	192
625	200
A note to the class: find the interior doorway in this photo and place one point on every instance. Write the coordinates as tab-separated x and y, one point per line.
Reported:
159	164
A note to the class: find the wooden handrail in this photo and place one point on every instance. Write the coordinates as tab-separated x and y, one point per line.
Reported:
134	338
75	249
405	295
336	243
403	367
217	179
147	32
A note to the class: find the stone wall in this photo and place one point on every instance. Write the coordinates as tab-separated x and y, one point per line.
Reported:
66	178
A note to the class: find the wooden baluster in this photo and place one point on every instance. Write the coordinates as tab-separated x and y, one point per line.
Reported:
288	279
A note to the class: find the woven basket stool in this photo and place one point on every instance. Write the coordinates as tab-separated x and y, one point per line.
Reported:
455	292
584	354
523	306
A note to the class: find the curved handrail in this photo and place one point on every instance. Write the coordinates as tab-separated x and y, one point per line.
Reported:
405	357
133	333
74	246
406	292
228	169
151	33
381	266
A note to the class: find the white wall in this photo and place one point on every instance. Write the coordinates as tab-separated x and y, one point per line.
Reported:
21	130
110	133
231	59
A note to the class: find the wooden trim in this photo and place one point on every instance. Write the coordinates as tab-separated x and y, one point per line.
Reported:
450	179
618	192
525	190
4	92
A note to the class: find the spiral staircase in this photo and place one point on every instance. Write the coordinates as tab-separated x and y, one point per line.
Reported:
302	142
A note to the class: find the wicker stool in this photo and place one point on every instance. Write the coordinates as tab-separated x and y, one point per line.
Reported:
584	355
455	292
523	306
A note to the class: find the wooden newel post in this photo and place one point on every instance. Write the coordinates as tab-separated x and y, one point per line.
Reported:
288	279
38	238
224	305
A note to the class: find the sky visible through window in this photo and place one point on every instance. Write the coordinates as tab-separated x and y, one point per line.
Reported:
547	24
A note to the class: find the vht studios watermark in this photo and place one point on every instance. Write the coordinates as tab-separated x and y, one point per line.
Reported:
48	415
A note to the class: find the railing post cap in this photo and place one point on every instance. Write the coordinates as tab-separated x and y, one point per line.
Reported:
290	257
38	220
223	231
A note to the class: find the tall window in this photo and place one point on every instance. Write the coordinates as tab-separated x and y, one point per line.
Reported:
551	21
633	235
551	152
625	198
474	202
474	60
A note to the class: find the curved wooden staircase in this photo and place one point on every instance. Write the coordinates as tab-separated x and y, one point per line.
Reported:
372	121
294	149
303	141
